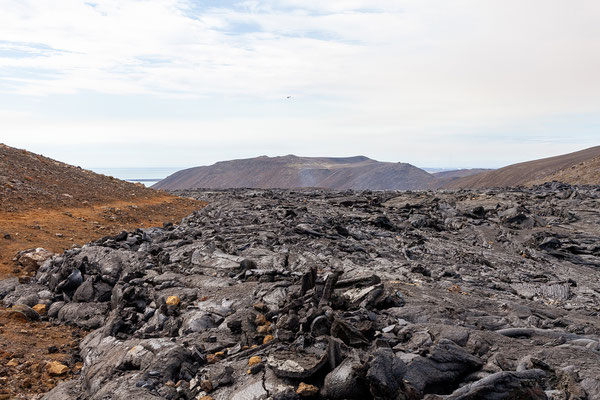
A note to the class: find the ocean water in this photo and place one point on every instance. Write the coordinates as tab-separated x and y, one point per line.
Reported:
146	175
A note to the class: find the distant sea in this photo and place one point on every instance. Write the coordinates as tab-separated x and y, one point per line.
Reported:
146	175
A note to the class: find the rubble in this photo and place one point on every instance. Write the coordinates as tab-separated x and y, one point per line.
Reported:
269	294
306	390
56	369
31	259
41	309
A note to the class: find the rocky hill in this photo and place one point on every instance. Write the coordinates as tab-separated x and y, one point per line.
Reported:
336	295
46	207
50	204
459	173
584	173
29	180
294	172
443	178
580	167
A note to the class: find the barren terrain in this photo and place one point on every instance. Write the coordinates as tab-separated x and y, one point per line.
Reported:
26	349
578	168
48	204
59	229
339	295
584	173
294	172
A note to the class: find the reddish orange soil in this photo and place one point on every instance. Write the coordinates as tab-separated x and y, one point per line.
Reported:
25	354
59	229
49	204
24	345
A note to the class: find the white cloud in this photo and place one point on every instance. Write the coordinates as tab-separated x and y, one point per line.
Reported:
395	69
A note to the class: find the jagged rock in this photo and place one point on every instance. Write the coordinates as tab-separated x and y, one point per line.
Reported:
322	285
306	390
385	374
32	259
346	381
41	309
287	363
25	311
446	363
55	368
503	385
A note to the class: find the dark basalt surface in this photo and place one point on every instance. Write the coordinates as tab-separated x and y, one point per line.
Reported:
388	295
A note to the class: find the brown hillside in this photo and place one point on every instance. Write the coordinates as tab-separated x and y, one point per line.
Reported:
527	173
359	173
459	173
50	204
29	180
445	177
584	173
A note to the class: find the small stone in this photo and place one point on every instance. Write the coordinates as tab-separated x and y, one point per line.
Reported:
21	311
41	309
260	319
206	385
173	301
32	259
260	306
12	363
264	328
55	368
267	339
206	398
255	369
213	358
454	289
306	390
254	360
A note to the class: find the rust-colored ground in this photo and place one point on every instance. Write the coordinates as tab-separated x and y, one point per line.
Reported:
50	204
59	229
25	351
24	345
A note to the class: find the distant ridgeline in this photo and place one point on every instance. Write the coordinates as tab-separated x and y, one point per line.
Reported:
363	173
294	172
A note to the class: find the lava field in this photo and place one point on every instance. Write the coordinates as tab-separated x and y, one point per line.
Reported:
290	294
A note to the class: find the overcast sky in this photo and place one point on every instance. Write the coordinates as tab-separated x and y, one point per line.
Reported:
462	83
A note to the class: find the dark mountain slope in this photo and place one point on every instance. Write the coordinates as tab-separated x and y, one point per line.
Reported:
293	172
29	180
530	172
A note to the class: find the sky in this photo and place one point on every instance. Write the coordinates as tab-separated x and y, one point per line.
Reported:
180	83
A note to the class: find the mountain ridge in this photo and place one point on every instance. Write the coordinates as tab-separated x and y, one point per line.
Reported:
363	173
537	171
291	171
